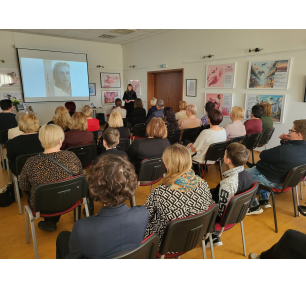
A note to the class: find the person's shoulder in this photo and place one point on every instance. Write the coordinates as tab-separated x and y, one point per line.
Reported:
139	209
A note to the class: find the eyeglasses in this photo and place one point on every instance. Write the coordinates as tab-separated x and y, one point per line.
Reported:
290	130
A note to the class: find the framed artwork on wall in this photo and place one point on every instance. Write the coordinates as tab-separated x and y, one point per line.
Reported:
223	102
109	97
136	86
14	77
268	74
92	89
110	80
191	87
220	76
277	102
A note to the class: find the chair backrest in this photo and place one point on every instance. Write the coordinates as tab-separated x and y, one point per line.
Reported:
3	136
182	235
95	135
125	122
21	160
86	153
61	195
251	140
151	169
238	206
101	118
146	250
294	176
124	144
174	136
191	134
139	130
204	127
239	139
216	151
137	120
265	136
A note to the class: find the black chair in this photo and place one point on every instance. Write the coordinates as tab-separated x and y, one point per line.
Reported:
139	131
191	134
250	143
137	120
214	153
204	127
239	139
173	136
96	135
235	212
125	122
124	144
3	140
61	196
86	154
101	118
183	235
146	250
292	180
265	136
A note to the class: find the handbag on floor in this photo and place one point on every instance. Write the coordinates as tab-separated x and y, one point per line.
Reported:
7	196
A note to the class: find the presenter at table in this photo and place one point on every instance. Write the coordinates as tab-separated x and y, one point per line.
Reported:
129	97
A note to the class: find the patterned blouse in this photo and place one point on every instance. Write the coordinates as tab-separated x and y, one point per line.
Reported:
189	195
40	170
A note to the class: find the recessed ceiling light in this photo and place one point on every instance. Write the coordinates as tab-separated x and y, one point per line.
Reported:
124	31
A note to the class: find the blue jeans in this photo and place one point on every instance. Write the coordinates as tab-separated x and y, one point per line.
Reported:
261	179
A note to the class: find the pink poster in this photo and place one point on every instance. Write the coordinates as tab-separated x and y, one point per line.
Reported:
223	102
220	76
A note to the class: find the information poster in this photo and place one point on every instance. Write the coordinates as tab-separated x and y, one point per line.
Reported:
268	74
220	76
191	87
136	86
11	95
14	74
223	102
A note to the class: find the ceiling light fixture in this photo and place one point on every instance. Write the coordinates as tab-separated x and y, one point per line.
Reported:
133	66
255	50
208	56
100	66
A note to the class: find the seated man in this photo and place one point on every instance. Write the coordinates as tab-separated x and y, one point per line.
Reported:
160	110
275	163
254	125
7	118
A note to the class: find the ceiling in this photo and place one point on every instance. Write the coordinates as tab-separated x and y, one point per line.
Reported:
93	34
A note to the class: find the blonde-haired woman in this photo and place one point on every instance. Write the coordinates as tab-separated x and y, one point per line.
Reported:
27	143
40	170
153	101
181	193
115	121
93	124
236	128
61	118
78	134
182	114
266	119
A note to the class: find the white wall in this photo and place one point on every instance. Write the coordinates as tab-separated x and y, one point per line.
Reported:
107	55
180	47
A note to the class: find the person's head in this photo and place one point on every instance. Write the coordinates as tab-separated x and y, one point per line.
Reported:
111	138
177	160
153	101
169	114
215	117
118	102
28	123
129	87
70	106
19	115
209	105
115	120
112	180
267	108
257	111
87	110
191	110
138	103
61	74
157	128
236	155
51	136
79	122
160	104
237	113
6	105
298	131
182	105
62	117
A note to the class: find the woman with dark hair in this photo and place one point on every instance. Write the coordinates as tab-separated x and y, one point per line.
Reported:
207	137
129	98
138	110
208	106
116	228
170	121
70	106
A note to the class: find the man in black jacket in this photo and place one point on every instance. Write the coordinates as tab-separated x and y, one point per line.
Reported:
275	163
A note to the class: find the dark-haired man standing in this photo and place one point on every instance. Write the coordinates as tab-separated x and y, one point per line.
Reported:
7	118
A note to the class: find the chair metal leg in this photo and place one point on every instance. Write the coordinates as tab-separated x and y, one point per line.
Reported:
27	219
2	159
33	231
177	257
220	167
253	156
211	247
8	170
134	201
294	204
297	199
274	212
76	209
86	207
17	193
162	256
204	249
301	188
243	239
304	182
151	188
84	171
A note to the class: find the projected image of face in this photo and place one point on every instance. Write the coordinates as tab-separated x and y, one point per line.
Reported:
61	76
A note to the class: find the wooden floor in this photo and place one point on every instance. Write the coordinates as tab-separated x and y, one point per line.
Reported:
259	229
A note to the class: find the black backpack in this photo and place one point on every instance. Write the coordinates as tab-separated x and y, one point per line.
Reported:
7	197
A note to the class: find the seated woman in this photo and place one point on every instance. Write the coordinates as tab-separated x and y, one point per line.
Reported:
116	228
61	118
93	124
153	108
118	108
266	119
207	137
236	128
78	134
191	121
182	114
170	120
13	132
151	147
40	170
138	110
70	106
27	143
191	193
208	106
115	121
